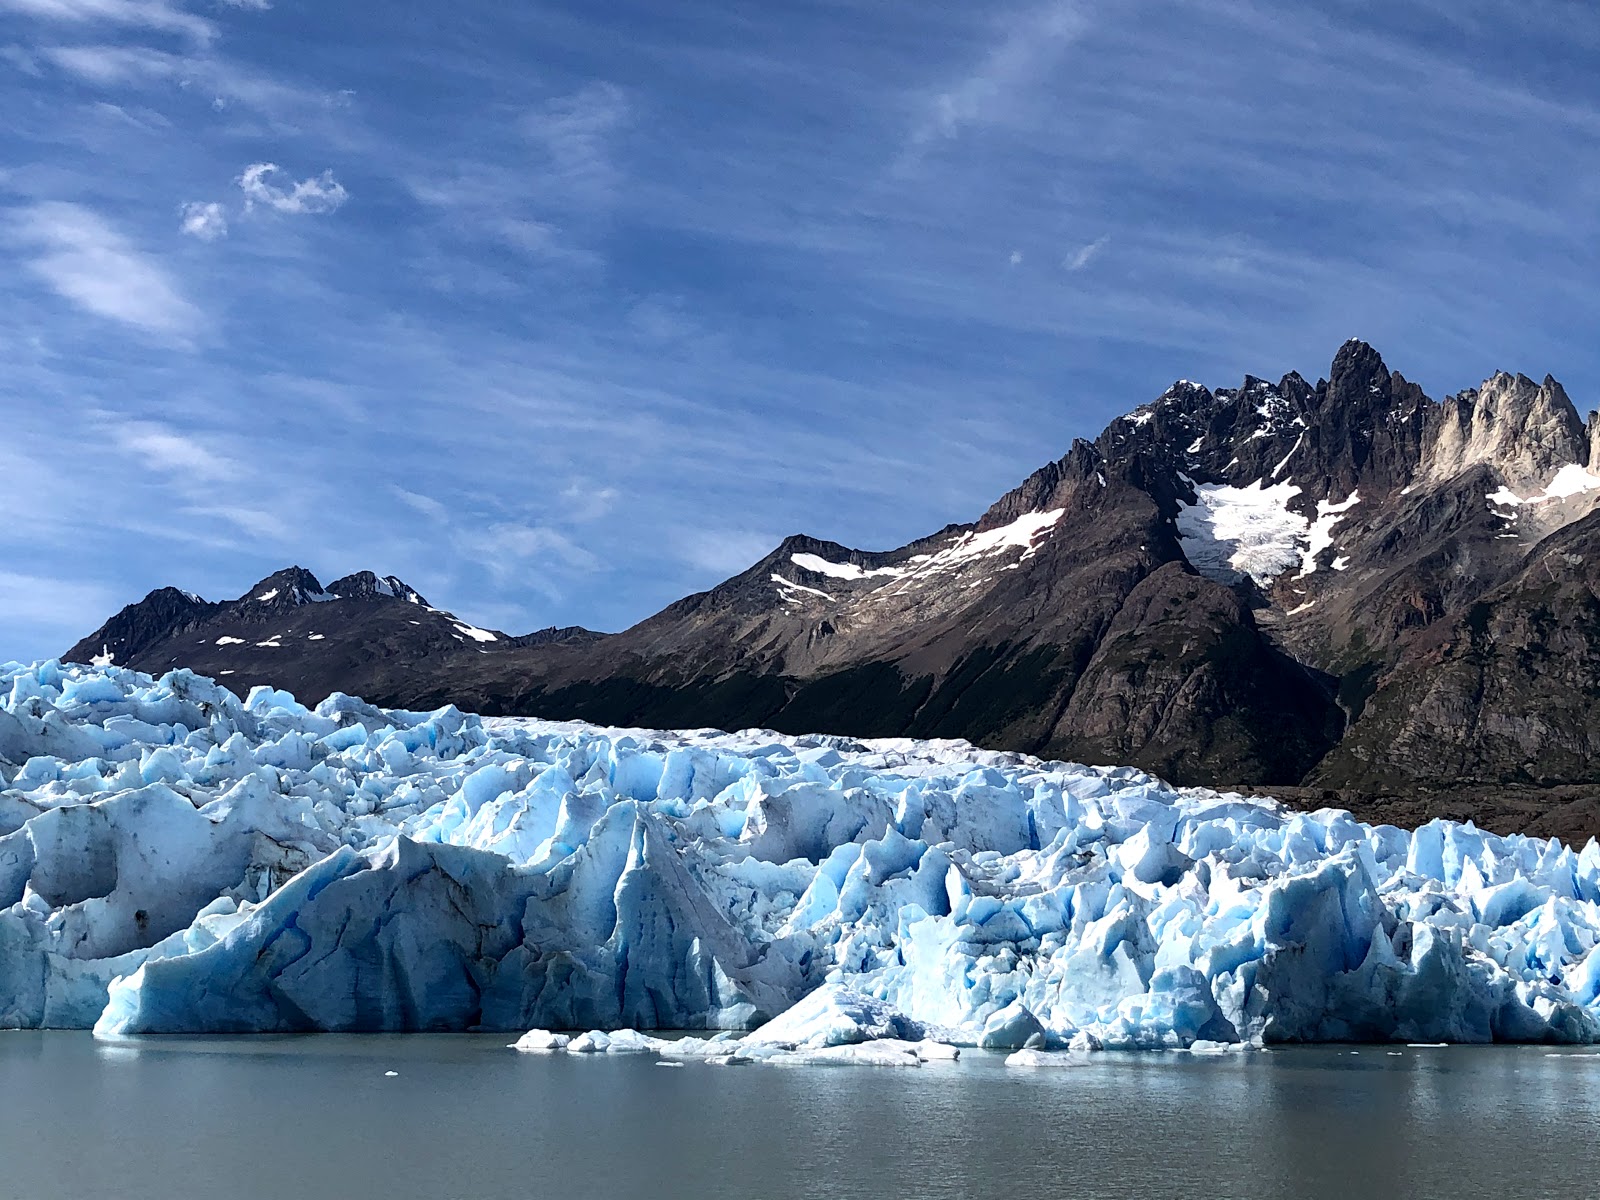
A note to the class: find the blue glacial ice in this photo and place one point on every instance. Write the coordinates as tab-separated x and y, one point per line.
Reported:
174	859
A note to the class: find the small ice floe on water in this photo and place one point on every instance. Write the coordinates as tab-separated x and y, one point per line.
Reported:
664	1063
1201	1046
1048	1058
390	1074
1426	1045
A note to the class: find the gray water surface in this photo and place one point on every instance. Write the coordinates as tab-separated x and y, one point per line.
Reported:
467	1119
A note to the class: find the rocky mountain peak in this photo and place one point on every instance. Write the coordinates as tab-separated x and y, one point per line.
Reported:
1525	430
286	588
365	585
1357	368
156	616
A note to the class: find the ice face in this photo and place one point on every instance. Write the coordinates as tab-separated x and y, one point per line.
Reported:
175	859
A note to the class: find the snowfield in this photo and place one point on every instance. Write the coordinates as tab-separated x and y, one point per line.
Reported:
173	859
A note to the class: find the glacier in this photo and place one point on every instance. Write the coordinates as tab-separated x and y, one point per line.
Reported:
176	859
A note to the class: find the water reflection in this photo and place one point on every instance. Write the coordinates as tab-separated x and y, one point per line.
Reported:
252	1118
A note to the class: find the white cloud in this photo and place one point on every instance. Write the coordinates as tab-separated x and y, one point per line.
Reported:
205	221
87	261
256	522
1081	257
722	553
162	449
22	60
507	550
222	81
585	502
1021	57
106	65
575	134
318	194
541	543
426	505
146	14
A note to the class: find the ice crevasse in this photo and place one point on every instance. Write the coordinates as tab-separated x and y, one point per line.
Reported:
174	859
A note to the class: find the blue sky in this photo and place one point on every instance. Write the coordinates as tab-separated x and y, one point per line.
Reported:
563	310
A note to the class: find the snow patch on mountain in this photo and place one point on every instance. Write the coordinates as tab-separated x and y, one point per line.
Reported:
965	548
1022	534
1319	536
1230	533
792	592
1571	480
818	565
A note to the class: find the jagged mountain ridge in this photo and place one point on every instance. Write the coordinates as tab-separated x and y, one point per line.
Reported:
1249	585
291	631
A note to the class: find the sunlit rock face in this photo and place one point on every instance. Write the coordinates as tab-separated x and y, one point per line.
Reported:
175	859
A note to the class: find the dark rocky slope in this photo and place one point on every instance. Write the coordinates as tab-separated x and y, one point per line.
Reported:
1343	587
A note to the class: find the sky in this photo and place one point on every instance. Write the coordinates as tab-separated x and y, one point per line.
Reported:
561	311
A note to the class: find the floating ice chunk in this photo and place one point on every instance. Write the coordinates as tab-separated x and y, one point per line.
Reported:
886	1052
541	1041
1046	1058
631	1041
835	1015
1203	1046
1014	1027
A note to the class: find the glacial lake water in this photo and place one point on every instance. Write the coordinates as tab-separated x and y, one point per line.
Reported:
464	1118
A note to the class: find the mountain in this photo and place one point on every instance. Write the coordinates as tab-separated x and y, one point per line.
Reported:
1344	587
361	633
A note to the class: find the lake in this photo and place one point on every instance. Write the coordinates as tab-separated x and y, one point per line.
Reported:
463	1117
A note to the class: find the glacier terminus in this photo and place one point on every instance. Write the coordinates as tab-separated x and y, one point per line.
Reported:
174	859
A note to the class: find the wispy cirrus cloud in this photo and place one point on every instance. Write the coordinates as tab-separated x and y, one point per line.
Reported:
540	184
160	448
146	14
1029	43
573	134
1085	254
218	82
85	259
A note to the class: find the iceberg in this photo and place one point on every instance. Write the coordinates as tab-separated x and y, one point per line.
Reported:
176	859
